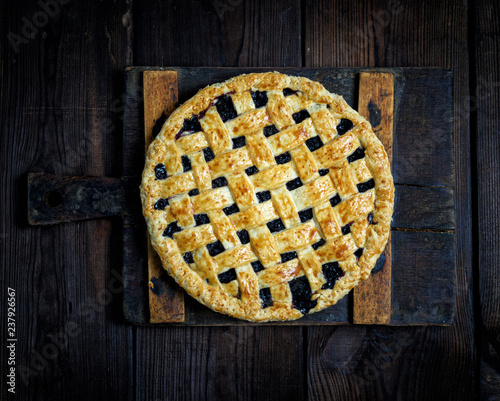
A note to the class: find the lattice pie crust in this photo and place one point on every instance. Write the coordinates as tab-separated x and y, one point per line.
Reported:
267	197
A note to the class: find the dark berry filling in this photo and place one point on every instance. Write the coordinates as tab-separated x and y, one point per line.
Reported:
225	107
367	185
239	142
263	196
323	171
335	200
227	276
359	153
259	99
296	183
232	209
171	229
300	116
275	225
186	163
219	182
215	248
188	257
257	266
270	130
358	252
289	92
370	218
283	158
194	192
201	219
319	244
301	294
160	171
306	215
344	126
161	204
251	170
265	296
243	236
332	273
285	257
314	143
346	229
209	154
192	125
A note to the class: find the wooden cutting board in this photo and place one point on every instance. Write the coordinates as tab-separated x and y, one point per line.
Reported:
412	284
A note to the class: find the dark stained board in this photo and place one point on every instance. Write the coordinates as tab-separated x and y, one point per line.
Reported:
59	100
413	214
485	123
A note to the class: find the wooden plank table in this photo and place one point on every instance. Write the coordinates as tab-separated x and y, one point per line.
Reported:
62	99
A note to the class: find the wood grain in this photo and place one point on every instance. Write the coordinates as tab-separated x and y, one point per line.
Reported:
485	123
372	297
385	34
166	301
59	106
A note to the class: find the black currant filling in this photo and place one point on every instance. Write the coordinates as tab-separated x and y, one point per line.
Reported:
189	127
306	215
219	182
225	108
270	130
171	229
209	154
294	184
231	209
318	244
215	248
314	143
227	276
359	153
194	192
289	92
251	170
186	163
243	236
344	126
188	257
161	204
358	253
160	171
275	225
263	196
201	219
259	99
300	116
366	186
346	229
335	200
265	296
332	273
239	142
285	257
301	295
323	171
283	158
257	266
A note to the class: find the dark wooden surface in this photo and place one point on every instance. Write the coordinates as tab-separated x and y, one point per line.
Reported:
61	106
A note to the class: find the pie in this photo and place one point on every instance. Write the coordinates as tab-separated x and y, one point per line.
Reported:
267	197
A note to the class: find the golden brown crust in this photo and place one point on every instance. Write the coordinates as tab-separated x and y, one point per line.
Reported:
225	246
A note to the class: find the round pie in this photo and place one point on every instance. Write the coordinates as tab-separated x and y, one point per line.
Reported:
267	197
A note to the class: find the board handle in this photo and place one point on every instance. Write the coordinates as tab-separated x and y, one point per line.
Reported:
372	297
